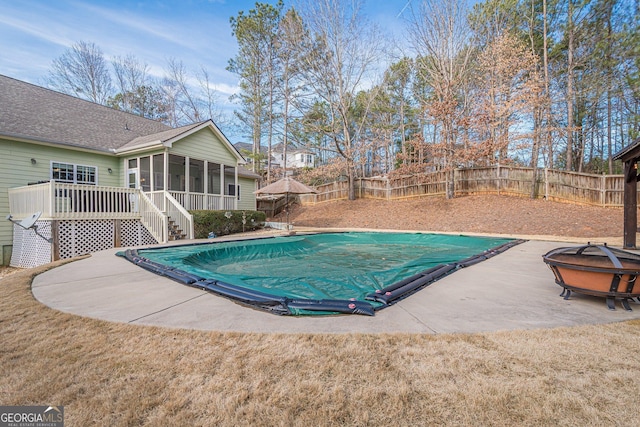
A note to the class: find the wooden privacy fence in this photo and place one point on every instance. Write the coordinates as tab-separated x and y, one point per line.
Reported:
572	187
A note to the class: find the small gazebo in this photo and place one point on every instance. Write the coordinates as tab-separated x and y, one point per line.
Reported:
286	186
630	155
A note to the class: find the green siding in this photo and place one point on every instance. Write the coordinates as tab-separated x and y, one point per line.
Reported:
17	171
204	145
247	198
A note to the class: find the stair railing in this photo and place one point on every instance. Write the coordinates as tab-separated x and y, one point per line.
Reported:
152	218
180	215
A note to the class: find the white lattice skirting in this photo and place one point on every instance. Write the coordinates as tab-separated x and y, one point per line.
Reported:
75	238
29	249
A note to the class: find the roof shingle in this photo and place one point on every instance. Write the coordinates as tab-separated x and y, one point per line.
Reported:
35	113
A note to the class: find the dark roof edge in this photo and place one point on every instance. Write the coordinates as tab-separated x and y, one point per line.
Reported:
626	150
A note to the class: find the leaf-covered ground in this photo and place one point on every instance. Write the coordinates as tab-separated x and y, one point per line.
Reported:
472	214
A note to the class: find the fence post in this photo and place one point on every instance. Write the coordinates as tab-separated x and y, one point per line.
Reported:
388	188
455	179
498	180
603	190
546	183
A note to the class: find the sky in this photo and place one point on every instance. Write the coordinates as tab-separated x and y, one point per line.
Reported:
197	32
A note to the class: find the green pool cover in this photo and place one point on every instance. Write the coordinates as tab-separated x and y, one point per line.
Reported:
289	274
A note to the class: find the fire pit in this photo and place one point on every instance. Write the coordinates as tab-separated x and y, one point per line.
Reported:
596	270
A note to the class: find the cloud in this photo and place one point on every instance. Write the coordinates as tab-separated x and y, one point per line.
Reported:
124	20
44	33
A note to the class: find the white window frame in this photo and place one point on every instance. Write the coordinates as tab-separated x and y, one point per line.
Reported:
84	169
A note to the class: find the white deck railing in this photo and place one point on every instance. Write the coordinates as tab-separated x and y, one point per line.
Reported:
201	201
57	200
180	215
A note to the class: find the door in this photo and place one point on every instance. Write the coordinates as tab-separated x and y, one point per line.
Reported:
133	182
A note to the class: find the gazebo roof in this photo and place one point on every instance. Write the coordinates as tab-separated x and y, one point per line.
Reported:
630	152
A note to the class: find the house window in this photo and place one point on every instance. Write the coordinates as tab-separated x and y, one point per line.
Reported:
85	175
234	190
62	172
74	174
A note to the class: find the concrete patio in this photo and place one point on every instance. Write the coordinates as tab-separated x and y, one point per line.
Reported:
514	290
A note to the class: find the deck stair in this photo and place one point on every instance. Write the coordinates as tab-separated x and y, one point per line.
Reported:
175	233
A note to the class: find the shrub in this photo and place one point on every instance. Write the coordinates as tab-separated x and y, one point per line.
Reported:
225	222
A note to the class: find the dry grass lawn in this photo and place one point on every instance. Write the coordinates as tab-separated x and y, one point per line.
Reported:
124	375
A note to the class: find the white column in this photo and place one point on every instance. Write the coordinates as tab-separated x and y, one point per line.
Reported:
187	198
205	184
165	178
221	180
237	190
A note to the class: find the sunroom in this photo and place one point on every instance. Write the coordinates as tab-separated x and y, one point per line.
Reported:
195	183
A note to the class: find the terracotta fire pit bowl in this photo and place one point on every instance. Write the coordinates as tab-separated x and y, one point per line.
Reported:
596	270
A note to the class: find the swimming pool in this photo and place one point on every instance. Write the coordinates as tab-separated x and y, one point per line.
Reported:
326	273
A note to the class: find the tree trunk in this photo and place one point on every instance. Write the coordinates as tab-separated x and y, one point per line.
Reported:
609	77
451	185
569	100
351	182
537	114
545	55
256	140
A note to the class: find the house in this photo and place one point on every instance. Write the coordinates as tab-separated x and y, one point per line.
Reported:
104	178
296	158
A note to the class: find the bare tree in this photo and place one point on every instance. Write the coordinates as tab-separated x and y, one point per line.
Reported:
439	34
138	92
132	81
210	96
186	103
344	53
510	89
130	74
289	46
81	71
